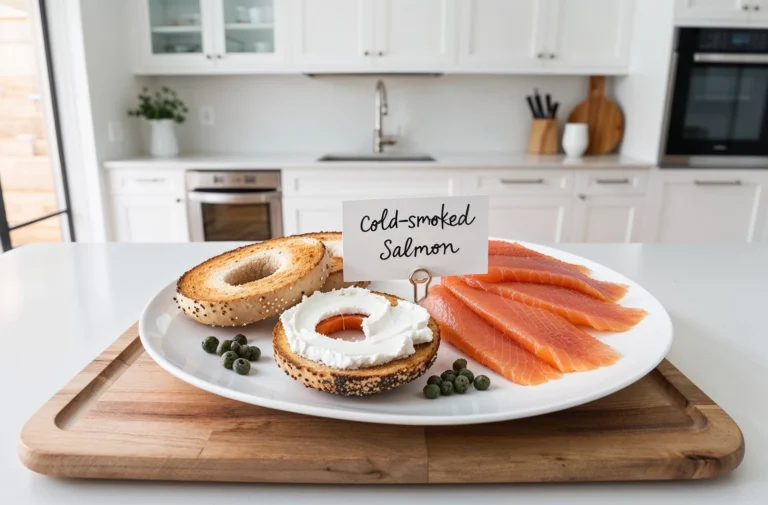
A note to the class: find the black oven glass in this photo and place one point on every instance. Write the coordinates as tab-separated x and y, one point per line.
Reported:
225	222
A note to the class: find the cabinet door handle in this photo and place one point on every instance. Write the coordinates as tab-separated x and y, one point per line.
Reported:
551	56
583	197
745	7
522	181
612	181
149	179
381	53
756	7
540	56
736	182
366	53
209	56
178	200
220	56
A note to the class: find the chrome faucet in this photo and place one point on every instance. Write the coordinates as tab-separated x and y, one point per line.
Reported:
382	109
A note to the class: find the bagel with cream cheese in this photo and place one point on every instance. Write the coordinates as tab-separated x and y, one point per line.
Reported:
253	282
333	242
359	381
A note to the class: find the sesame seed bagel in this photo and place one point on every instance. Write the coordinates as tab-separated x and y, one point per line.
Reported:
254	282
333	242
362	381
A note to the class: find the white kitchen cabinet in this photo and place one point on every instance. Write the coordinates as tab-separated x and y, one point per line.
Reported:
599	219
589	34
708	206
210	36
308	215
139	218
530	218
714	10
499	34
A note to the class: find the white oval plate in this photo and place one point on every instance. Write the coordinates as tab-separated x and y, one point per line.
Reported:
173	340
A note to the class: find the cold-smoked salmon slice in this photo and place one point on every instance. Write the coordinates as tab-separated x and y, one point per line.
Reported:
548	336
544	271
576	307
473	336
501	248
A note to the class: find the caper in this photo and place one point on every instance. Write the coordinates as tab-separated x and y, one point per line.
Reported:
210	344
240	339
431	391
461	384
244	351
241	366
482	382
459	364
448	375
234	346
446	388
435	379
468	374
255	353
228	359
224	346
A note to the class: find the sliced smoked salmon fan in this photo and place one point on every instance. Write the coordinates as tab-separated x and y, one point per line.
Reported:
548	336
576	307
501	248
545	271
472	335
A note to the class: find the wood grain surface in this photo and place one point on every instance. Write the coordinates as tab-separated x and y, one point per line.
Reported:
543	138
605	120
123	417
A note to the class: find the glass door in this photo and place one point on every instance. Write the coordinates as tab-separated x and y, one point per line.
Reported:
177	31
249	29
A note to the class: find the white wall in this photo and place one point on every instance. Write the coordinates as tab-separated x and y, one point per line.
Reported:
302	114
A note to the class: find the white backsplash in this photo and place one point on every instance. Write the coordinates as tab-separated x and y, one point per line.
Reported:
335	113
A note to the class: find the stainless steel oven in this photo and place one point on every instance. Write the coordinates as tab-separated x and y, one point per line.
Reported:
234	205
717	108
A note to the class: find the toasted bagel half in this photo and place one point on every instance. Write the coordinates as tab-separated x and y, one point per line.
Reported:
333	241
362	381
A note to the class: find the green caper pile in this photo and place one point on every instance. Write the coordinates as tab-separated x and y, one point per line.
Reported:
456	380
235	353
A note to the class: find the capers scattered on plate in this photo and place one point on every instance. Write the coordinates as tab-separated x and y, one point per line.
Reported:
244	351
241	366
448	375
224	346
431	391
461	384
459	364
446	388
210	344
467	373
255	353
240	339
228	359
435	379
234	346
482	382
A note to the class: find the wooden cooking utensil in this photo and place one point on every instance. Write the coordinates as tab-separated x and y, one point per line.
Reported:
605	120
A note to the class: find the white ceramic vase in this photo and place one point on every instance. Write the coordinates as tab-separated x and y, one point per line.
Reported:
162	142
575	139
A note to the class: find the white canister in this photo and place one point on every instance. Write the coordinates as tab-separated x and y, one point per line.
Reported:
575	139
163	143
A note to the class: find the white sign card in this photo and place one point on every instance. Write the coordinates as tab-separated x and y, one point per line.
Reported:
388	239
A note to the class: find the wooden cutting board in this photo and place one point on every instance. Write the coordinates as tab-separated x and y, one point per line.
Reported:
123	417
605	120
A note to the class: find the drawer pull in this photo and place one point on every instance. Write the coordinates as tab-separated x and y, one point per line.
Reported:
736	182
612	181
148	179
522	181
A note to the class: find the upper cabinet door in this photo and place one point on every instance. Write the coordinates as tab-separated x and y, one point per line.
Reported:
501	34
414	35
174	34
249	32
714	10
333	34
589	35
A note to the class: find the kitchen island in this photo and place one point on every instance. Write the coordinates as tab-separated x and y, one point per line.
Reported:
70	301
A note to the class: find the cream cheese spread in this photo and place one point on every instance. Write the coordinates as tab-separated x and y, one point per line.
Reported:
391	332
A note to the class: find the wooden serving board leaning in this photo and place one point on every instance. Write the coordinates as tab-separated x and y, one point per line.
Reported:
123	417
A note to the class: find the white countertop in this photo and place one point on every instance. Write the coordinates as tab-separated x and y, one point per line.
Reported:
70	301
444	160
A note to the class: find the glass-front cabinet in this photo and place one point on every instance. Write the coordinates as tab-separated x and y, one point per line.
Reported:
205	34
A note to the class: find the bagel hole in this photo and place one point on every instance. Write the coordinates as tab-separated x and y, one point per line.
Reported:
254	270
346	327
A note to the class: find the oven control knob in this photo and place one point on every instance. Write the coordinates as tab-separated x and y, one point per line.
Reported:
218	179
250	179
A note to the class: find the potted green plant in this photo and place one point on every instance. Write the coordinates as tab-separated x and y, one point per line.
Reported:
161	109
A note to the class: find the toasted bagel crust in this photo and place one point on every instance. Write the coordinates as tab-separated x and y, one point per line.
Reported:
220	291
332	241
360	382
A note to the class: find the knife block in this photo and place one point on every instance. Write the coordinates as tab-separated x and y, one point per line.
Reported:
543	136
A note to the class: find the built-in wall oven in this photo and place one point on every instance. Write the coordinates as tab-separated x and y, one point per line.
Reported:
717	106
234	205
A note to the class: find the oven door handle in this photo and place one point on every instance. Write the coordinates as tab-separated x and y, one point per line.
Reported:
233	198
730	58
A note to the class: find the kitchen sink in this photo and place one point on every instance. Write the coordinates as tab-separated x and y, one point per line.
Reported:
383	157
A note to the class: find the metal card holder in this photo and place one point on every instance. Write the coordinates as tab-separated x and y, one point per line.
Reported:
420	276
